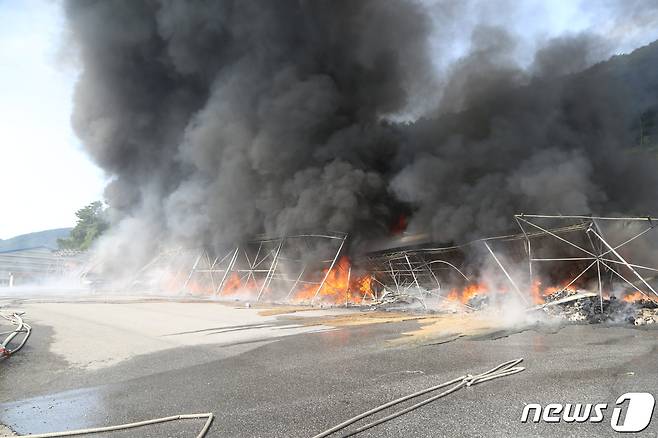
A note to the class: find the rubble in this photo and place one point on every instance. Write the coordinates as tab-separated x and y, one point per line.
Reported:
583	306
645	316
397	302
433	278
478	302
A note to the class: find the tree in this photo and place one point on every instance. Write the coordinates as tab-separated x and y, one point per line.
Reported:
91	224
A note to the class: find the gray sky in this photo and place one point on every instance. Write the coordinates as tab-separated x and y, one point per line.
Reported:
44	174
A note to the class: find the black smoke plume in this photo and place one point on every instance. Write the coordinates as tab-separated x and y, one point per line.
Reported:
219	120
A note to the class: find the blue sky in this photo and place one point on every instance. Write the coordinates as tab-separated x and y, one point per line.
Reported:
44	174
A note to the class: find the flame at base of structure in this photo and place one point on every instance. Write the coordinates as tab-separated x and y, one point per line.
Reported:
528	268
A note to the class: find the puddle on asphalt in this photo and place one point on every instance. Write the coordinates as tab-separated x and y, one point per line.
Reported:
56	412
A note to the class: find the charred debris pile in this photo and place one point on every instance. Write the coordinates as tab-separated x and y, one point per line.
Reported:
578	268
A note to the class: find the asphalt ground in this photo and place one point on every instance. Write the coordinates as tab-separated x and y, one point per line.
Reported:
298	385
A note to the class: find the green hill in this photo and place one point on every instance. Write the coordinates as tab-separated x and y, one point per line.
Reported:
46	238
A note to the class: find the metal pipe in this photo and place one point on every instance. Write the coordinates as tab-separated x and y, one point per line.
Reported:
333	262
294	286
624	278
624	261
272	268
628	241
516	288
598	271
220	287
558	237
412	271
650	219
578	276
528	251
189	277
564	259
630	264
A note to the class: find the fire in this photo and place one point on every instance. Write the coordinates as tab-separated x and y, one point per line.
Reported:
399	225
633	297
196	288
335	287
364	285
338	285
553	289
537	291
464	295
169	283
341	285
232	285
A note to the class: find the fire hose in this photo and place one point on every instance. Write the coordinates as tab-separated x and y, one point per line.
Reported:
21	328
504	369
201	434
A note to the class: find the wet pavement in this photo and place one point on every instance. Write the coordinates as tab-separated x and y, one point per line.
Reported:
301	384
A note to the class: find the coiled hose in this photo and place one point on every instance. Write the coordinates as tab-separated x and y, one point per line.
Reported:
21	327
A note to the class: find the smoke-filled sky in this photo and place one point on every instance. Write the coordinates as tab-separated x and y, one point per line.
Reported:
218	120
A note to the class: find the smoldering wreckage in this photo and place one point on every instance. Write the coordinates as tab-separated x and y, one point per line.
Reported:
241	135
602	281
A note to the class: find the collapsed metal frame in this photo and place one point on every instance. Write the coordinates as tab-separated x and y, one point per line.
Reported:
259	263
603	256
416	273
411	272
167	267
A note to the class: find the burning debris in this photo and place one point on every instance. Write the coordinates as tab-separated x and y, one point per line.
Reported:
581	271
581	306
568	251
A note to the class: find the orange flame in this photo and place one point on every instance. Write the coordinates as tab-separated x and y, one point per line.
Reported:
232	285
399	225
335	286
553	289
364	285
464	295
196	288
633	297
338	285
537	292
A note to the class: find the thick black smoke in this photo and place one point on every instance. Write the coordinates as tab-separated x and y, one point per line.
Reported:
221	120
523	143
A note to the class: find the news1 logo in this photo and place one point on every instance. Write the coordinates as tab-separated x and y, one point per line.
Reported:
638	412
